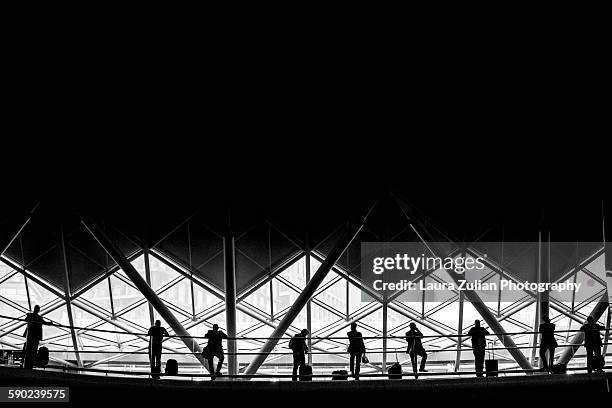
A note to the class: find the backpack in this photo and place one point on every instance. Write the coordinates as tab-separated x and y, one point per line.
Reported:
171	367
395	372
42	357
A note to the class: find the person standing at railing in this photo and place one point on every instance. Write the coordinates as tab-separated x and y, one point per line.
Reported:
547	343
215	349
356	349
479	344
33	335
156	334
298	345
592	343
415	348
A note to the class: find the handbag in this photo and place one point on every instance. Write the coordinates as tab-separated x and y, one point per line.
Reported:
365	359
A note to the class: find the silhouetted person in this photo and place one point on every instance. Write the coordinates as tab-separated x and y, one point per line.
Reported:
215	348
415	348
592	343
33	335
298	345
547	343
479	345
356	350
156	334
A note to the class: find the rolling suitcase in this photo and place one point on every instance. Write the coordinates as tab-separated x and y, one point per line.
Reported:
491	365
171	367
305	373
340	375
395	372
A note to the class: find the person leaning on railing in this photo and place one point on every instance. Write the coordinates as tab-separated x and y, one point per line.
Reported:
592	343
356	349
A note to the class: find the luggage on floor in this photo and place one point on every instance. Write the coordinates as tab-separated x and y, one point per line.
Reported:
598	363
305	373
491	364
395	371
171	367
42	357
340	375
558	369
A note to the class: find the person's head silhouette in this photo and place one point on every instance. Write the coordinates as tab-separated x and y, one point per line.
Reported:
590	320
215	327
305	332
413	326
36	309
476	323
353	326
157	323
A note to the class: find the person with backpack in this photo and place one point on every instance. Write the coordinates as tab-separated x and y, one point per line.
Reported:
548	343
479	345
592	343
298	345
356	350
415	348
215	349
156	334
33	335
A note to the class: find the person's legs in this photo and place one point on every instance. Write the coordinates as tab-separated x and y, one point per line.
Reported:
296	365
413	360
221	357
352	364
551	356
211	363
589	356
358	368
156	362
543	358
423	355
479	356
29	357
597	358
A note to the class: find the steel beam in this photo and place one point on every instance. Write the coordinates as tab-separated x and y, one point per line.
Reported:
14	230
115	253
148	280
576	341
311	287
229	251
67	289
309	303
459	332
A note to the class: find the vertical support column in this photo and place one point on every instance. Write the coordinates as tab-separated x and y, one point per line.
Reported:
384	347
459	332
68	293
148	280
607	333
536	320
309	303
193	312
229	250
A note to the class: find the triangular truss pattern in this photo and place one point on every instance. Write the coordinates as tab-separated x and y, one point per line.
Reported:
269	285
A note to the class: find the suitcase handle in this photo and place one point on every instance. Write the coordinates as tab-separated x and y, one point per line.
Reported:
491	352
